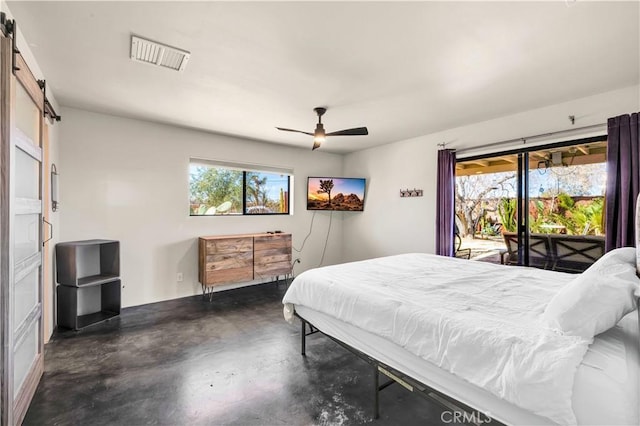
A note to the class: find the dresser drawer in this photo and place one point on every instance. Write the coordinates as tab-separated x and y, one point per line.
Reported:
229	275
275	241
230	245
272	269
220	261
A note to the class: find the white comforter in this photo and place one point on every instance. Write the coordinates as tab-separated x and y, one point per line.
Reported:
476	320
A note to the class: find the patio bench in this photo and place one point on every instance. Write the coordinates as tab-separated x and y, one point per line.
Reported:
558	252
539	250
575	253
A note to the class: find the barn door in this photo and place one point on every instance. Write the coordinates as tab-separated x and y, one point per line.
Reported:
22	234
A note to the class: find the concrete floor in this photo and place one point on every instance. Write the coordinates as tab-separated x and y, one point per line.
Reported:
193	362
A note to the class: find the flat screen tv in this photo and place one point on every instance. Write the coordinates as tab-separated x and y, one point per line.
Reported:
335	193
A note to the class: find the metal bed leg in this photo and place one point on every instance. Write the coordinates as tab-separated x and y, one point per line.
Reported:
303	336
376	397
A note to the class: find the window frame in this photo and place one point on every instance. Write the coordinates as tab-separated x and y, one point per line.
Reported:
245	169
523	227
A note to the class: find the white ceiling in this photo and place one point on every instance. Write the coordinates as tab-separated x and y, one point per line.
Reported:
401	69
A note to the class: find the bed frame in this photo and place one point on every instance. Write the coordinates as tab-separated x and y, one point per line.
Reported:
469	414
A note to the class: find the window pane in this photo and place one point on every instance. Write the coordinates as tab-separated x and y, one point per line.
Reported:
26	241
25	296
267	193
214	190
567	197
27	115
27	178
24	356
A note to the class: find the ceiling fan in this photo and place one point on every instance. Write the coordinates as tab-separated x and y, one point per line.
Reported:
319	134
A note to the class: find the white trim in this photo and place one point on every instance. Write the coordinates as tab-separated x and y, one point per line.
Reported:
245	167
526	144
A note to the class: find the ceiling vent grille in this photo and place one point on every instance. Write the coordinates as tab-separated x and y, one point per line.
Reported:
158	54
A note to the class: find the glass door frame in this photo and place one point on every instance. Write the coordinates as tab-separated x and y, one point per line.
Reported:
522	212
522	192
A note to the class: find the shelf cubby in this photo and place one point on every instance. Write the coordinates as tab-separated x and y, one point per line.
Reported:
78	262
88	272
79	307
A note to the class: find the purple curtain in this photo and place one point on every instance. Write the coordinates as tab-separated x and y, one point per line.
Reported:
445	202
623	180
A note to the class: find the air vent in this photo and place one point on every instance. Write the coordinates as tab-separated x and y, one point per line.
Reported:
158	54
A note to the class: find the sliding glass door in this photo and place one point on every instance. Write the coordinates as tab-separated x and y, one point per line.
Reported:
540	207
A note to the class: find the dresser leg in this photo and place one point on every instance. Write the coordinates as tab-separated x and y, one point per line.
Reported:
207	290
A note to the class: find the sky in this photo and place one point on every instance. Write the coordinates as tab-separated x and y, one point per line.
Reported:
579	180
340	185
275	182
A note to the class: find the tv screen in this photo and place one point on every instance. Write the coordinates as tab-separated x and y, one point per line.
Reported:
335	193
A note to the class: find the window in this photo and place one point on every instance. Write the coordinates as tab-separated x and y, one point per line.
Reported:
562	187
219	188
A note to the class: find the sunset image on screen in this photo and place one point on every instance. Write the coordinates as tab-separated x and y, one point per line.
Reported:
335	194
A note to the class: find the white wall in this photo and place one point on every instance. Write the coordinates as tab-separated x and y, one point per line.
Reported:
392	225
127	180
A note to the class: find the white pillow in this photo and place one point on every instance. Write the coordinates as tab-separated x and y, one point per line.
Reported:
598	298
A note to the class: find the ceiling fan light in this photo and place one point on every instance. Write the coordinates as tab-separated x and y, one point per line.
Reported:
319	135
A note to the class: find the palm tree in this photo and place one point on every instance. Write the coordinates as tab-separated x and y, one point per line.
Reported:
257	191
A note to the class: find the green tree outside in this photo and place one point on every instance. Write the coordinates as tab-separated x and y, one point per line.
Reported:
210	187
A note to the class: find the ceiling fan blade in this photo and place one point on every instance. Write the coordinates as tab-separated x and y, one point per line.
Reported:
316	145
295	131
358	131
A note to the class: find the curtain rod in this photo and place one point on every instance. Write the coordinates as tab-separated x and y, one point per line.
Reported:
527	138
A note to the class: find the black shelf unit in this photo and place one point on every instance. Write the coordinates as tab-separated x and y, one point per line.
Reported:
88	274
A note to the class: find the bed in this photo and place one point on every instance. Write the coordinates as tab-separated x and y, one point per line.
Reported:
478	337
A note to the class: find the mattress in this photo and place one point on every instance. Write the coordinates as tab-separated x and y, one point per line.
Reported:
606	388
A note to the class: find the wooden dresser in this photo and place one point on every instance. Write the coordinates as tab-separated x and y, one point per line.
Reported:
224	259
